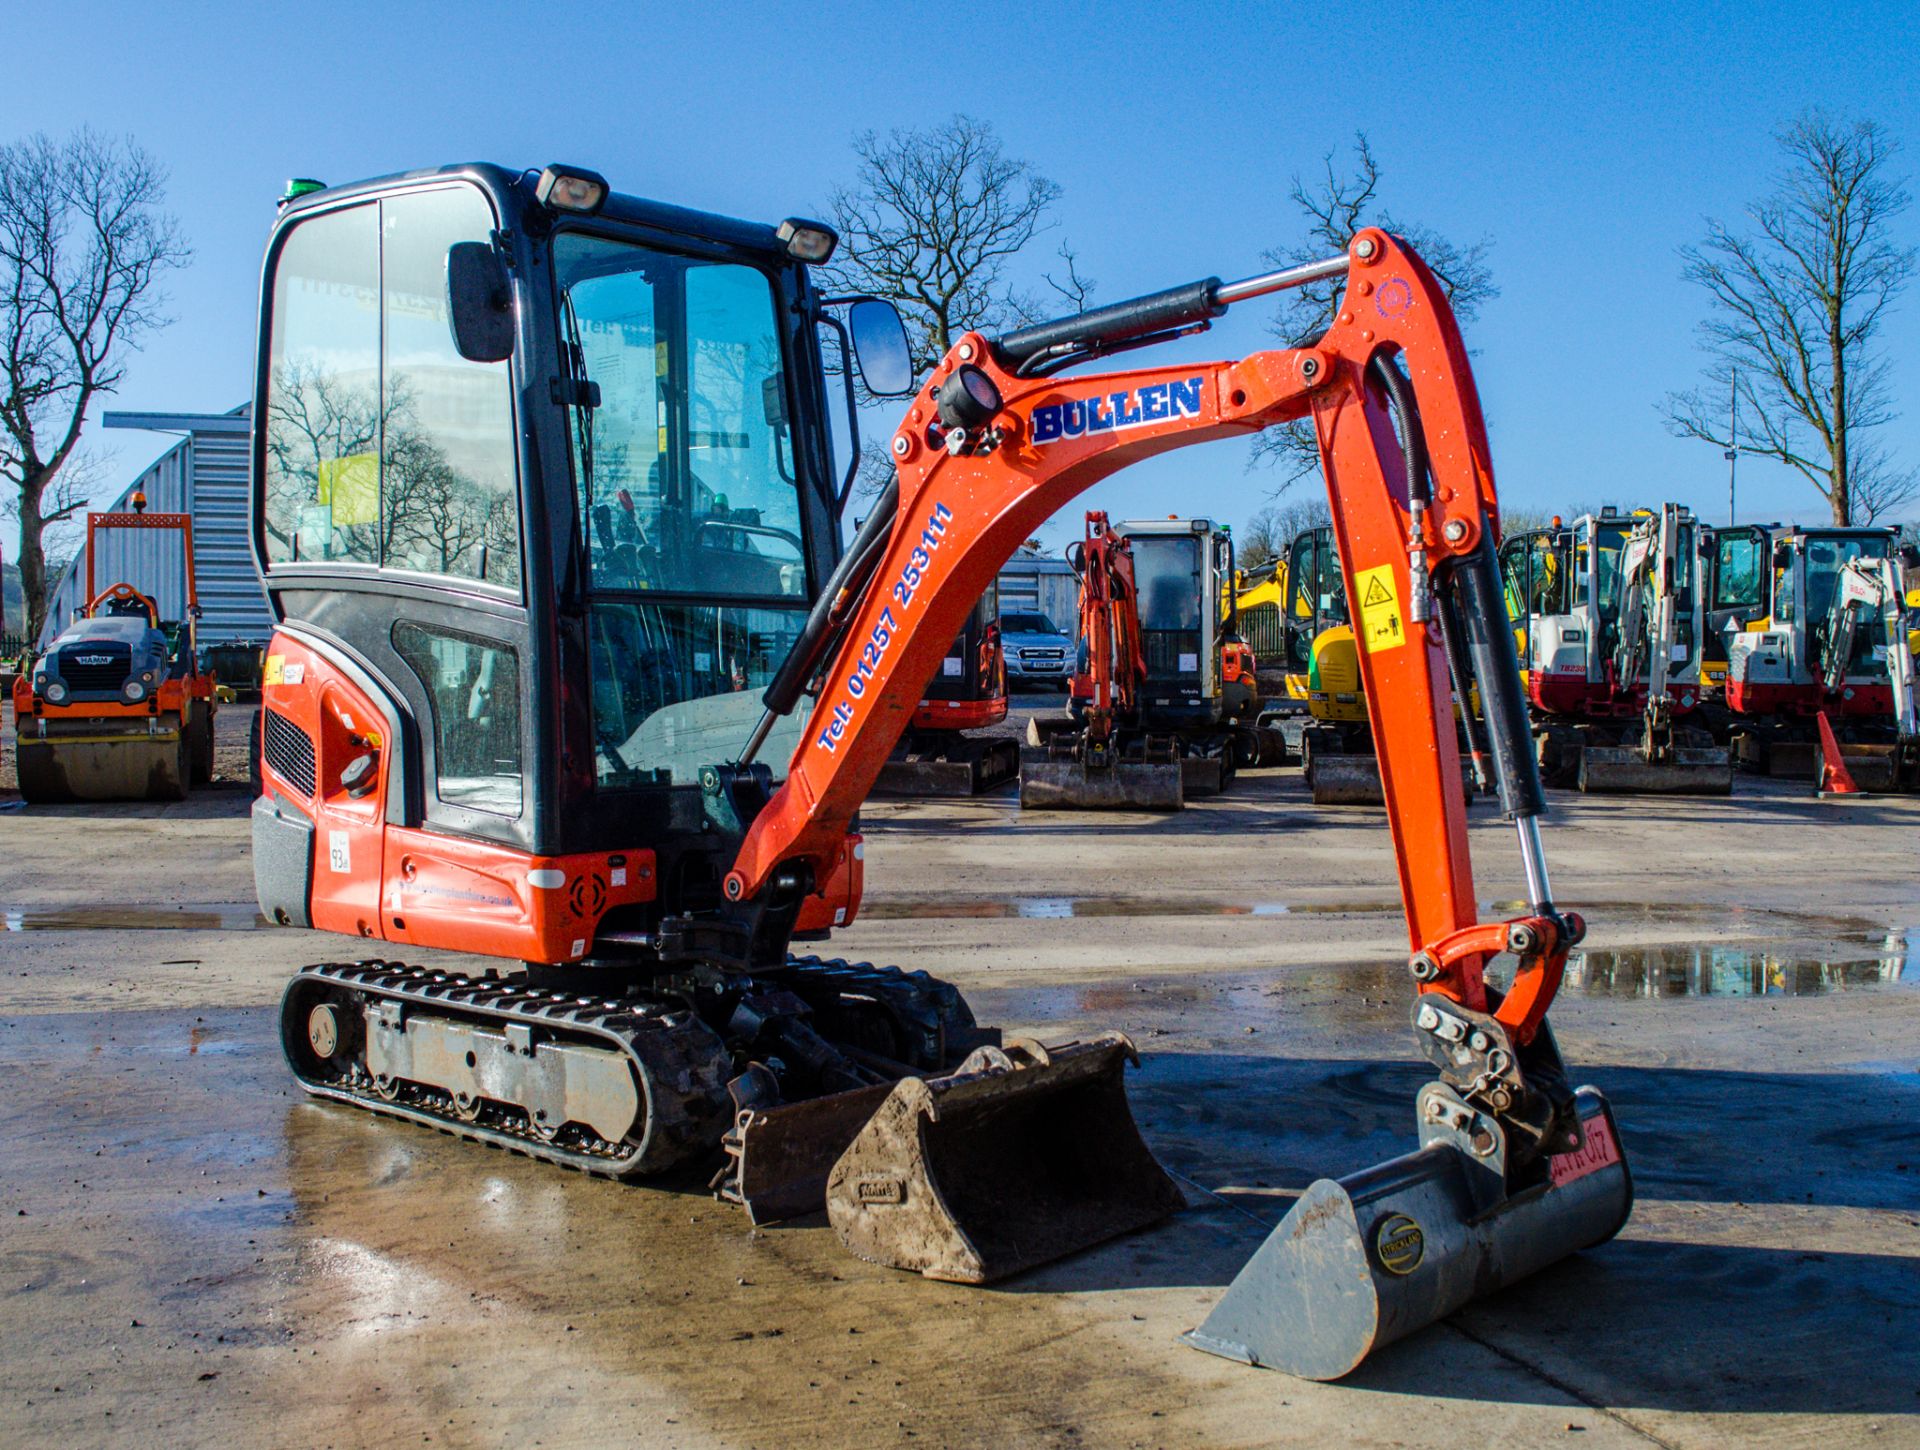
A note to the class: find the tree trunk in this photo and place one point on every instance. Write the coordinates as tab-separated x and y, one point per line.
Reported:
1840	490
33	557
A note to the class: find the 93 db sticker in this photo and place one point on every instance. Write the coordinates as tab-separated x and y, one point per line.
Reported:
1381	625
339	855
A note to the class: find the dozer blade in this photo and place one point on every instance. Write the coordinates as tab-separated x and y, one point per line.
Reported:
1128	785
1344	780
1025	1154
959	773
123	768
1873	770
1361	1262
1201	775
1694	770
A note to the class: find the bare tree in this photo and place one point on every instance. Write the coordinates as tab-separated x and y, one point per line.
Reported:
1334	205
1796	304
933	222
83	245
1268	533
1878	489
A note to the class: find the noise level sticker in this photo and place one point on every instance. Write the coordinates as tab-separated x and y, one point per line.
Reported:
1380	622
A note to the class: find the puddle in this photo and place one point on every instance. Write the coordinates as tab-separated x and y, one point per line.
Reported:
231	917
1736	971
1057	908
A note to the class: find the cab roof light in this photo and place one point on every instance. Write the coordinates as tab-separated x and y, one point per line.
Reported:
299	186
805	241
571	188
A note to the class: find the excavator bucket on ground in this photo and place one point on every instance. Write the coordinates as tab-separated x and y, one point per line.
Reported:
1023	1155
1056	782
1060	778
1694	770
1366	1260
105	767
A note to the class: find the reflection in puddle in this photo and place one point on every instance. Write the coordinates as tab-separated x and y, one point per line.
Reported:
1059	908
1734	971
225	917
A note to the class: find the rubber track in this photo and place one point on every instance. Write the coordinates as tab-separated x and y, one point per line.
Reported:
932	1008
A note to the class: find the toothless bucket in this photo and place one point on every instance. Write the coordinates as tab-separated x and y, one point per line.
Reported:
1361	1262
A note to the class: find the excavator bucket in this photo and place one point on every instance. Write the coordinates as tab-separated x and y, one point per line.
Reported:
1694	770
1366	1260
1055	782
1025	1154
103	768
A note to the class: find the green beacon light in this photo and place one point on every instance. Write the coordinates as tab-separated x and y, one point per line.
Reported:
299	186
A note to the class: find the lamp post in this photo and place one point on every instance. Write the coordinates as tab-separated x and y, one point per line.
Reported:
1733	428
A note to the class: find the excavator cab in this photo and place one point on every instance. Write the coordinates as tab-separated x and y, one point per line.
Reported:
1336	747
544	498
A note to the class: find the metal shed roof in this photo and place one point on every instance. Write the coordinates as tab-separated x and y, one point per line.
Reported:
204	474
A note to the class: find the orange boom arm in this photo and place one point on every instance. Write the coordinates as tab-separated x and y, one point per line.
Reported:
978	474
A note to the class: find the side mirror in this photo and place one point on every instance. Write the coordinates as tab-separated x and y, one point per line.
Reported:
880	348
479	303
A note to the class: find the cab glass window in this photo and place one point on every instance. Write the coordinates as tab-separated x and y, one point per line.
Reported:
473	688
682	451
384	446
1737	578
446	483
323	392
1166	572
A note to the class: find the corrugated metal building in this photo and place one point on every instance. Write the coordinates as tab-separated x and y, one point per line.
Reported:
1032	580
204	474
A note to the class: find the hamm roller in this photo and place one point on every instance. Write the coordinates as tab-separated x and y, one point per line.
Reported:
117	707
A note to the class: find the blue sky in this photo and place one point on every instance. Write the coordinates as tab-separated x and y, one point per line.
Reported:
1585	142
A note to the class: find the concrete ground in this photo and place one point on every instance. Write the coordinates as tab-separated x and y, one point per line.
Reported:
192	1254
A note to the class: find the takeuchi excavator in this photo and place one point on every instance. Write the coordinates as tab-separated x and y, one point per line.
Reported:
534	748
1821	676
1615	620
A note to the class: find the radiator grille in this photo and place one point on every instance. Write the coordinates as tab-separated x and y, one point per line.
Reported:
289	751
96	679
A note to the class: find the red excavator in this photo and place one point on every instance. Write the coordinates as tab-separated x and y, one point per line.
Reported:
1086	764
938	755
537	740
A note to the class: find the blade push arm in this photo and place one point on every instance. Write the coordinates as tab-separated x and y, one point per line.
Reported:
985	455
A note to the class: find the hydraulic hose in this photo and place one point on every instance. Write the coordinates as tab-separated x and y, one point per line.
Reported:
828	617
1474	614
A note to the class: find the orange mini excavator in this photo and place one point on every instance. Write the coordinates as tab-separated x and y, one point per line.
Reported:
552	541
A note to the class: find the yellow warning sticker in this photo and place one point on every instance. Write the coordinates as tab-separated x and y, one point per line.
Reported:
1380	623
271	675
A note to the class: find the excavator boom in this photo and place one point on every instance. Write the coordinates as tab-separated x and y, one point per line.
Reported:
992	446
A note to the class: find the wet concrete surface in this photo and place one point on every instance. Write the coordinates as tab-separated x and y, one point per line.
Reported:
192	1254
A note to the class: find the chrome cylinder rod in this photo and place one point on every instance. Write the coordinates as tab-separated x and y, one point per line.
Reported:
1533	859
1268	282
